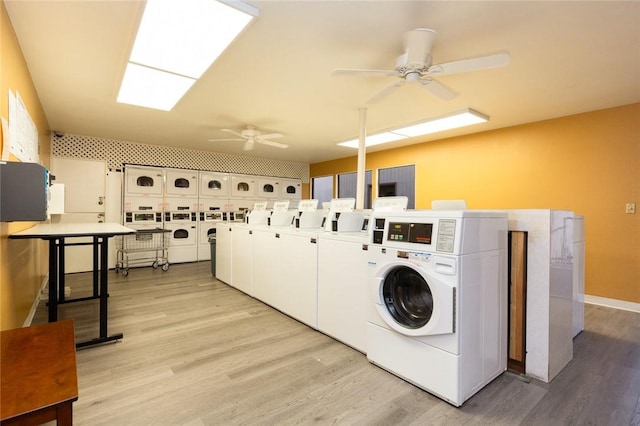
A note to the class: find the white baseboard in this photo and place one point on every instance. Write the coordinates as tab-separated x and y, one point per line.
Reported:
612	303
36	302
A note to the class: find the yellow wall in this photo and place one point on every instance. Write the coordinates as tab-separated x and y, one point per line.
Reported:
23	263
588	163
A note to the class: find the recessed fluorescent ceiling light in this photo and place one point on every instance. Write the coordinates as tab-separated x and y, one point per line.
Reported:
151	88
180	39
440	124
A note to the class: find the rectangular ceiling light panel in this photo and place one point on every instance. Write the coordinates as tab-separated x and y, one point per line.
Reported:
373	140
151	88
462	119
185	37
434	125
177	42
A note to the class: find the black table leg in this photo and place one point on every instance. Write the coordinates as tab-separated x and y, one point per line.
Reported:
53	280
103	244
61	283
95	267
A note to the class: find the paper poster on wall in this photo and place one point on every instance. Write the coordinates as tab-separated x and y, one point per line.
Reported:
23	133
5	140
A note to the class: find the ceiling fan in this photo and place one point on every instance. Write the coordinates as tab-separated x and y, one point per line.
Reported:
250	135
414	66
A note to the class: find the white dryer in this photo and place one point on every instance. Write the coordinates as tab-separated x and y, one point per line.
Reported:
142	181
438	288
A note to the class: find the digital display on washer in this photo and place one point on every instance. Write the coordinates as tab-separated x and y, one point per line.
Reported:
419	233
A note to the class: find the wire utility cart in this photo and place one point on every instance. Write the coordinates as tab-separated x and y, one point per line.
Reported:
146	245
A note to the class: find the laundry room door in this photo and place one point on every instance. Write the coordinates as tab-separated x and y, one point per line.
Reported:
85	201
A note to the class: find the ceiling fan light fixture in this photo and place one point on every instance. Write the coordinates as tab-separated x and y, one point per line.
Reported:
466	117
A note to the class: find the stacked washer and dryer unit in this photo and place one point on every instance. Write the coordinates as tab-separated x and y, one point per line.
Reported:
438	290
191	204
181	214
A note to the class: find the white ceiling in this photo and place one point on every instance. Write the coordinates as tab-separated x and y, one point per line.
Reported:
566	58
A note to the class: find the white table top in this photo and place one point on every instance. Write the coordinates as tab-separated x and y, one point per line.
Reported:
54	230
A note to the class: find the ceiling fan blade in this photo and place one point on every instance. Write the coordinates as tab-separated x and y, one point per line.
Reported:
385	92
248	145
233	132
436	88
271	136
472	64
224	140
271	143
352	71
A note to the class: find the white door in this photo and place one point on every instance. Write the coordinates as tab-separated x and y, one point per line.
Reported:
85	201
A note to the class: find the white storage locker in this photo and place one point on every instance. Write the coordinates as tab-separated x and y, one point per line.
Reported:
243	186
213	184
181	183
142	180
291	189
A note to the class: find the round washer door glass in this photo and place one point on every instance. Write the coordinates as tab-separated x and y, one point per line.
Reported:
407	297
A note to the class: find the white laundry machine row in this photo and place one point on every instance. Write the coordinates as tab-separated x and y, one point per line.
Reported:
438	299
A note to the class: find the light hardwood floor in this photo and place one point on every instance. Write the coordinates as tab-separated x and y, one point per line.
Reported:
198	352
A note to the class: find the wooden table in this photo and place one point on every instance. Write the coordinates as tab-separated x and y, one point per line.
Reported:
38	374
57	235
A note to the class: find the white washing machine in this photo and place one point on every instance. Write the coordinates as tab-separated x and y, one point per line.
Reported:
342	287
438	288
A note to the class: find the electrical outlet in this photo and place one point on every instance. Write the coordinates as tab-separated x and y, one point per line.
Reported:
630	208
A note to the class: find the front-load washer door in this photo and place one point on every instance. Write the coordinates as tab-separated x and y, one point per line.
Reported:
413	301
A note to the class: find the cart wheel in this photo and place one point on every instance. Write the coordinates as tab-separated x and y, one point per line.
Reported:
125	272
155	264
117	269
165	267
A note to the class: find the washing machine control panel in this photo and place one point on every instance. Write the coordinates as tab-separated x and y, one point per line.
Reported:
437	234
410	232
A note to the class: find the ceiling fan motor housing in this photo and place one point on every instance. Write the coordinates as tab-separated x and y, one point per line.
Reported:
417	48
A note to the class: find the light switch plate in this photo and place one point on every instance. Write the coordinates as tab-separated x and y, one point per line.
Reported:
630	208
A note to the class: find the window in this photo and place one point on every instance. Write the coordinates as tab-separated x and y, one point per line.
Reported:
400	180
322	189
347	186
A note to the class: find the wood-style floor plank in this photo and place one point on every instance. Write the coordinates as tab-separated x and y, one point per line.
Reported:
197	352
